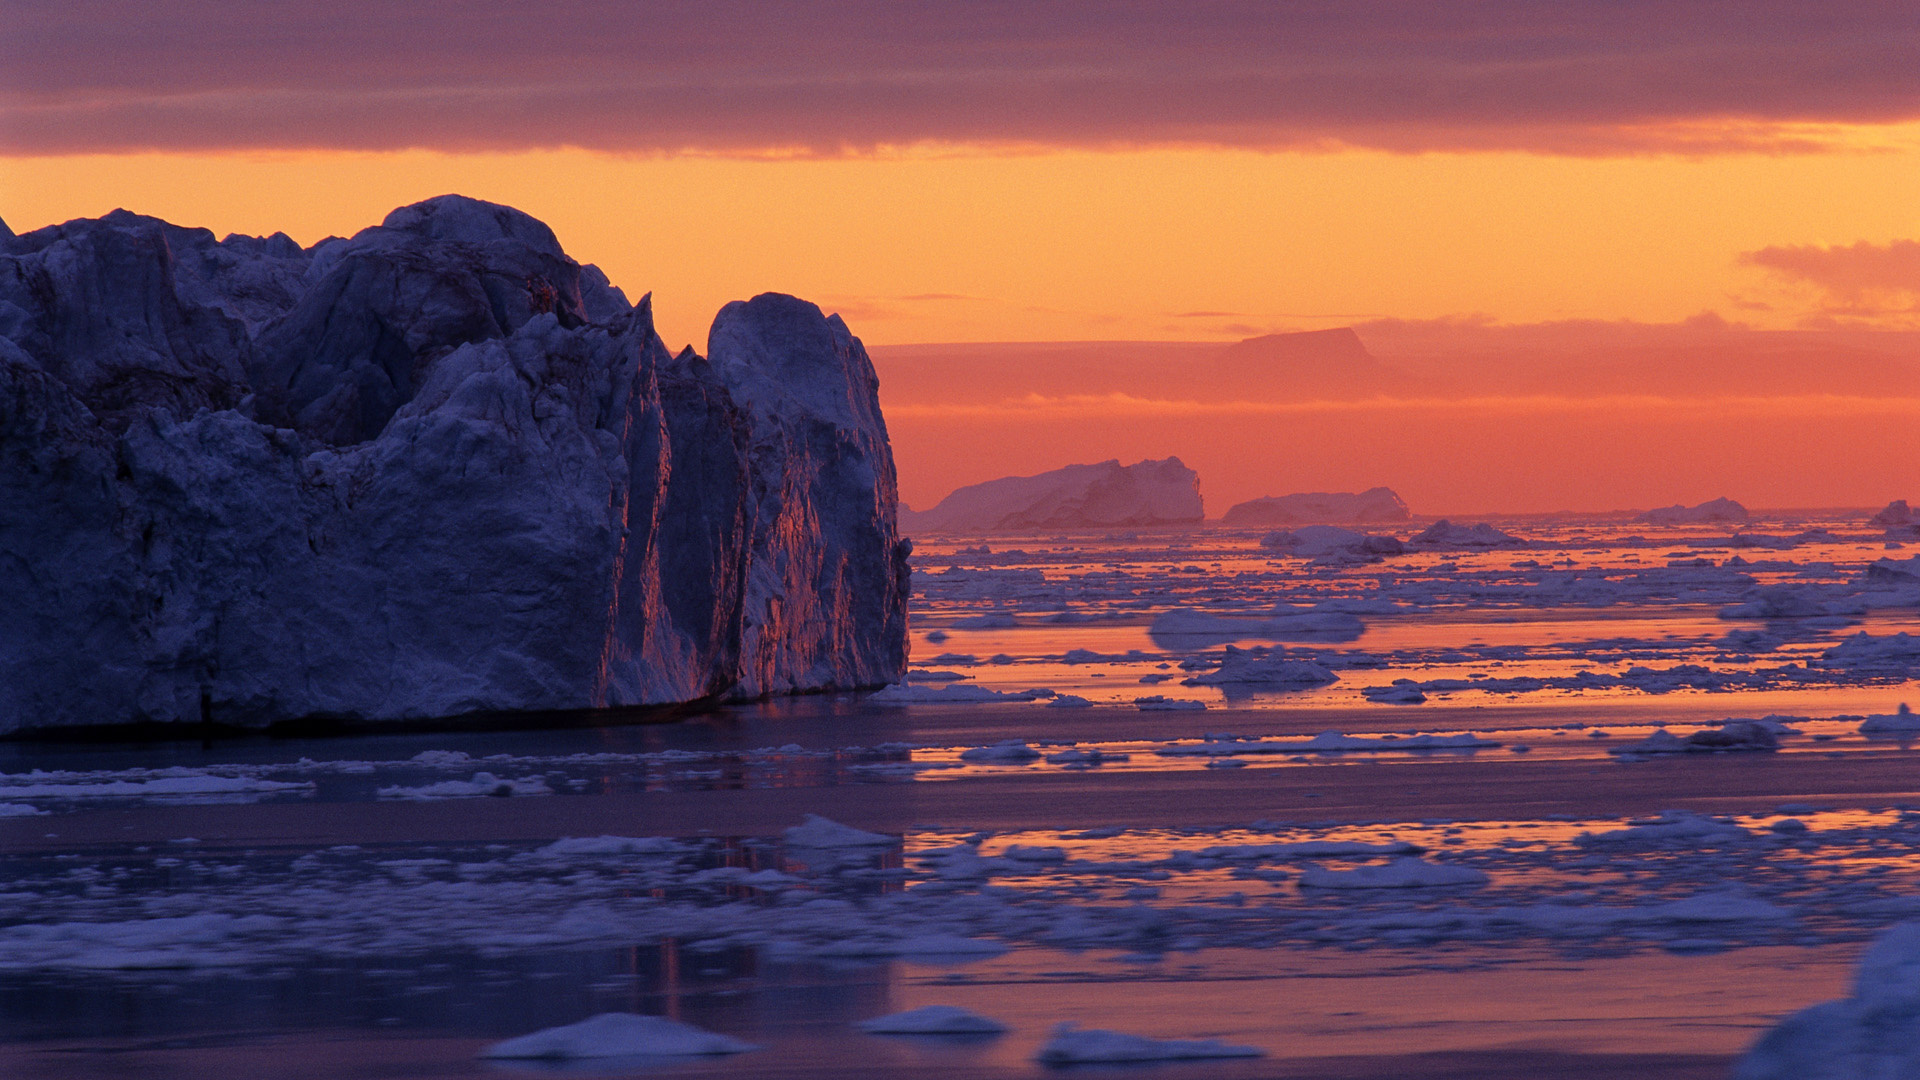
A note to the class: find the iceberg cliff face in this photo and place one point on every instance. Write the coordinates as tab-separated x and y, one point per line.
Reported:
1105	495
435	469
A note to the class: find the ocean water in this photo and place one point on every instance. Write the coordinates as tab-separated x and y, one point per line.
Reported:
1508	878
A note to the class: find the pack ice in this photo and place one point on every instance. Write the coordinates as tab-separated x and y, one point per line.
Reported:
436	468
1105	495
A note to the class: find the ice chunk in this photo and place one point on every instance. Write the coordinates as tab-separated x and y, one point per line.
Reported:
613	1035
1872	1034
1069	701
1005	752
1325	541
1328	742
1162	703
1902	720
1072	1045
1672	827
955	694
1406	872
815	831
611	845
1242	667
1734	735
1445	534
482	784
1075	497
932	1020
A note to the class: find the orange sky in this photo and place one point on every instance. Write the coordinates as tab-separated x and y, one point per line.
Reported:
1099	171
1172	244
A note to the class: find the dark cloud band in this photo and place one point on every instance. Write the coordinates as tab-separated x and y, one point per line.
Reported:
114	75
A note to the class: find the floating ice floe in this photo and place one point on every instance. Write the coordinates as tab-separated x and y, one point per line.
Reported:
1184	628
815	831
617	1035
1406	872
158	784
575	846
1401	692
932	1020
482	784
1327	742
1903	720
1072	1045
1161	703
1892	653
1068	701
1445	534
1005	752
1872	1034
1672	827
1332	543
1240	667
956	694
14	809
1734	735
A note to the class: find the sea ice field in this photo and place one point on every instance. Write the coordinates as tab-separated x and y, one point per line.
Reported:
1564	797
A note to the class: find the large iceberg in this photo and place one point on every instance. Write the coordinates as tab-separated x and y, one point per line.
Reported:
1714	510
1373	504
437	468
1873	1034
1106	495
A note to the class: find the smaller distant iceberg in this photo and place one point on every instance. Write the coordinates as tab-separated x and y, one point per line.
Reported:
1106	495
1716	510
1320	507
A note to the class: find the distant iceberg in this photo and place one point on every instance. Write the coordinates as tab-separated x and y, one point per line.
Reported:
1716	510
1106	495
1319	507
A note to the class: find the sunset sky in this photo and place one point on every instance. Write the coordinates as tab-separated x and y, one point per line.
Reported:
1065	172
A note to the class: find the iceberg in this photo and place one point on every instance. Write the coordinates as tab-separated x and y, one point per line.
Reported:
1445	534
1319	507
1716	510
1100	496
1873	1032
438	468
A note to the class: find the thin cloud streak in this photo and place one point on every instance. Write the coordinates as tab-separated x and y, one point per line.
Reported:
858	75
1037	406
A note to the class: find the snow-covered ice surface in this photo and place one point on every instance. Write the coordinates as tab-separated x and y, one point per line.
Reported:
617	1035
1654	795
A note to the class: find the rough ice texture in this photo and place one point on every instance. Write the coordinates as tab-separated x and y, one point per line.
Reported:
617	1035
1373	504
1714	510
434	469
1444	533
1106	495
1873	1034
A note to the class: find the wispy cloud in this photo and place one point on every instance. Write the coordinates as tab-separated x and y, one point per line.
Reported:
837	76
1855	281
1088	406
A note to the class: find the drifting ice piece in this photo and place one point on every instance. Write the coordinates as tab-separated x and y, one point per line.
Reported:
612	1035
